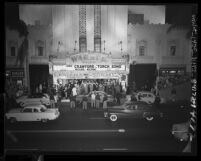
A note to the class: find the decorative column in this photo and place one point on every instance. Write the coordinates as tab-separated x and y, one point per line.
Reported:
97	28
82	29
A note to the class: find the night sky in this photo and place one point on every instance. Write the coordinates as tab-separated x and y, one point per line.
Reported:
174	13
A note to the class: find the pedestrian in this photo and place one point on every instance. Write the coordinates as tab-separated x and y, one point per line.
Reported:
84	102
173	93
40	88
117	93
123	85
37	91
105	108
52	102
74	90
157	100
93	99
72	102
97	101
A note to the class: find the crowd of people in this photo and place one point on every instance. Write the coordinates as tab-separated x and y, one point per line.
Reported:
72	88
84	87
169	81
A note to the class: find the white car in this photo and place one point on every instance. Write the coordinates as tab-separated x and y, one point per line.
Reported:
145	96
181	131
33	113
34	99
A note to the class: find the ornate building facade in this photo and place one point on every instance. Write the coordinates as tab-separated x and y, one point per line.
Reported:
97	42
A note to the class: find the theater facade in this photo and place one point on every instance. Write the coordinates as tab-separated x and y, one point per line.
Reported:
98	42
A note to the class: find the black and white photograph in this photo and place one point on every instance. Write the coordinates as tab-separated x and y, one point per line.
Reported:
101	78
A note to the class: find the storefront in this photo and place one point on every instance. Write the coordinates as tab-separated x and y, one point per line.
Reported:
15	75
89	66
172	70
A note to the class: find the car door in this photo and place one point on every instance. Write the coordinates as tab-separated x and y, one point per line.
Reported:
128	111
138	109
26	114
36	114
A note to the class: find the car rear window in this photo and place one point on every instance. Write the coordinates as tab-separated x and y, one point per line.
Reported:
27	110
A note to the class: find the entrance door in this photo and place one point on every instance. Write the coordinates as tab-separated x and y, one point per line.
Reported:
142	74
38	75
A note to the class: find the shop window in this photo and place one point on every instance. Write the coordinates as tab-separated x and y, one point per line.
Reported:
172	72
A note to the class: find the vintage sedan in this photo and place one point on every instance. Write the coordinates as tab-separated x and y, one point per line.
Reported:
101	93
32	113
181	131
34	99
145	96
133	109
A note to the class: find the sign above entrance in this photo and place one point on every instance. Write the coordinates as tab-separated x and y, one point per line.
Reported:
89	67
93	57
89	57
88	75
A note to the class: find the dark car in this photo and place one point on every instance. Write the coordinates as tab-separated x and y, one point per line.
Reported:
134	109
176	111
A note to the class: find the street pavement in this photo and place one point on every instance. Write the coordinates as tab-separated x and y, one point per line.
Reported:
89	131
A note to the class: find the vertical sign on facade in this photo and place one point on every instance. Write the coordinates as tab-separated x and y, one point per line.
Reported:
82	28
97	28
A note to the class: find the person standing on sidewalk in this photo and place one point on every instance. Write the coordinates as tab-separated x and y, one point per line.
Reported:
72	102
118	95
93	99
173	93
52	102
84	102
105	109
97	101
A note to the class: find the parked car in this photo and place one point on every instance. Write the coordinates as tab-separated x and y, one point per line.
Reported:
181	131
32	113
145	96
176	112
133	109
101	93
40	98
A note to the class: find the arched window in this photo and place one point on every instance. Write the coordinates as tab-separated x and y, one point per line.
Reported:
40	48
142	48
12	48
172	47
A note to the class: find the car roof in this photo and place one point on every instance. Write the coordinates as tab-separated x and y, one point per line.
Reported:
34	106
147	92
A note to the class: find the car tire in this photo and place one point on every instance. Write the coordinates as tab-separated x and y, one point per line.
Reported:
149	118
44	120
12	120
113	117
21	104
